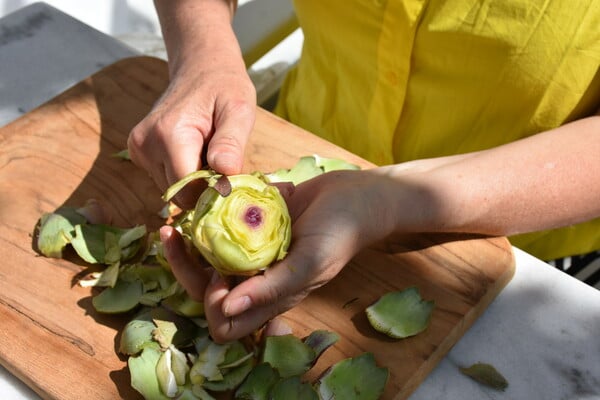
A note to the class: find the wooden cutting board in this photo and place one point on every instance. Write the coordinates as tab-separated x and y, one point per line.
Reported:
61	154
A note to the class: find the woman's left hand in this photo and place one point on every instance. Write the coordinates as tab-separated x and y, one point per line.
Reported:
334	216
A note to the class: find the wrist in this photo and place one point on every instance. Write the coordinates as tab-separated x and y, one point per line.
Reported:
199	33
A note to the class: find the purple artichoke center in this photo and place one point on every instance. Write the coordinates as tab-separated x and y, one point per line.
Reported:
253	217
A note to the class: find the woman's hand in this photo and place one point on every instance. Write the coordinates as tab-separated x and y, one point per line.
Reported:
334	216
207	112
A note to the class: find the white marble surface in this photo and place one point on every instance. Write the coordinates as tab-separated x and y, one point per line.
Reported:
542	332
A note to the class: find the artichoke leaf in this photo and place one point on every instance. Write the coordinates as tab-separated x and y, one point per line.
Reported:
143	373
400	314
486	374
288	355
321	340
356	378
164	333
56	230
137	334
123	297
293	388
258	383
179	185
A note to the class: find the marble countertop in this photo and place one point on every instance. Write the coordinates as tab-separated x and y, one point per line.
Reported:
542	332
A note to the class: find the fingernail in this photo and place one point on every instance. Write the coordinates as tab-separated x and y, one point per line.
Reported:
226	163
165	233
237	306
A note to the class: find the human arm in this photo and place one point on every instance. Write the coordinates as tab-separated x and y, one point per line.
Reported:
209	105
541	182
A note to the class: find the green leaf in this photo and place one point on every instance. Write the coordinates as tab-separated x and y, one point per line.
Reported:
258	383
293	388
164	332
56	230
123	155
356	378
179	185
321	340
288	355
137	334
143	373
486	374
333	164
123	297
101	244
400	314
308	167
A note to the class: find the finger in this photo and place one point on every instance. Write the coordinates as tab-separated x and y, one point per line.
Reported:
183	156
233	126
280	287
277	327
285	188
224	328
187	270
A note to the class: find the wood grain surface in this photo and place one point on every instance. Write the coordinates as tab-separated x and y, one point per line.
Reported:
61	154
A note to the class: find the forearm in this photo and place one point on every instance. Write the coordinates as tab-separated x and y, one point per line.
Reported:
545	181
197	31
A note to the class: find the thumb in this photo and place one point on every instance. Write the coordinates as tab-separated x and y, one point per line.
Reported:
226	148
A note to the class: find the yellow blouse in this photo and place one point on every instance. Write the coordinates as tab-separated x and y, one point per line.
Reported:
399	80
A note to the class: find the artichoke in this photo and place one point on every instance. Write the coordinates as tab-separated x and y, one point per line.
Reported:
240	230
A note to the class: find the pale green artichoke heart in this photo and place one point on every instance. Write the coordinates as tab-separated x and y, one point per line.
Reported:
245	231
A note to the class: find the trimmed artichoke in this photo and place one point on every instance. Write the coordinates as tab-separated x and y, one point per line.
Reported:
245	231
241	224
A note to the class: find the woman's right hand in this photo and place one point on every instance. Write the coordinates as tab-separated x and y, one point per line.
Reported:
208	110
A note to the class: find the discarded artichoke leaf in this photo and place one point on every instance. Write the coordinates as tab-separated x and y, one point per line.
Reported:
164	333
179	185
55	230
232	378
112	250
288	355
122	155
165	375
152	298
400	314
258	383
293	389
179	365
90	242
182	304
123	297
153	273
143	373
137	334
186	329
106	278
206	366
129	236
486	374
200	393
356	378
321	340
